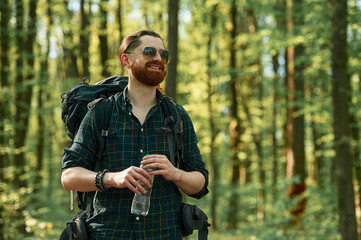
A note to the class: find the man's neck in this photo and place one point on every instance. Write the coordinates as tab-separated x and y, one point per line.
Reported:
140	95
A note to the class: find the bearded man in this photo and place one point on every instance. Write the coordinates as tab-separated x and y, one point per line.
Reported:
136	113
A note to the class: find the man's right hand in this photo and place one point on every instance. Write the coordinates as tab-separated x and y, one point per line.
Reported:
132	178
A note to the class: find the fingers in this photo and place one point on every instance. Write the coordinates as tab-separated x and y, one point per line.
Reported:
161	164
140	174
155	161
136	187
138	179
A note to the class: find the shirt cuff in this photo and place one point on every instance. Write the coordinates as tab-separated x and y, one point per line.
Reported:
203	191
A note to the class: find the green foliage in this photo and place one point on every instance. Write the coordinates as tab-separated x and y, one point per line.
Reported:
43	219
42	206
320	219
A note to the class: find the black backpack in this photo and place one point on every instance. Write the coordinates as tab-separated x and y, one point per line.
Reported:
74	104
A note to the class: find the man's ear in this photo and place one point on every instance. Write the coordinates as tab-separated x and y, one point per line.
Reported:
124	60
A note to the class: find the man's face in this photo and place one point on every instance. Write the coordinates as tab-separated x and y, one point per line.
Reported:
146	69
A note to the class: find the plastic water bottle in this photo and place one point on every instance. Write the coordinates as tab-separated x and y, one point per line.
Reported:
141	203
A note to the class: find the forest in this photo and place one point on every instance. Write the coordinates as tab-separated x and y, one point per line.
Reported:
272	87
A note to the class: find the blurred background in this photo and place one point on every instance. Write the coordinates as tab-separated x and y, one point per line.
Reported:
273	88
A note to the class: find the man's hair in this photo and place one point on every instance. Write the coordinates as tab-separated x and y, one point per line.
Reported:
133	41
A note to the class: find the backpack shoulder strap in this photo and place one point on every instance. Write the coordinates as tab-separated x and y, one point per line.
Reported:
100	129
174	120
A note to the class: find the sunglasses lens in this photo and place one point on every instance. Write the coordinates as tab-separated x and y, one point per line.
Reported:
150	51
164	54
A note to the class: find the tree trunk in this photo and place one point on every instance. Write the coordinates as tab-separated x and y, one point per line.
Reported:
43	80
40	138
20	130
171	84
318	158
275	157
212	126
280	15
295	127
84	39
355	126
120	26
4	79
24	90
103	39
25	46
234	127
4	101
341	103
357	151
70	58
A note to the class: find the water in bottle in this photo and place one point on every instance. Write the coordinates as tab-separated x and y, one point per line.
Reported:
141	203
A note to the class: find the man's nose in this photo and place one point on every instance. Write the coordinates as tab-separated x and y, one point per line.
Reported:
157	56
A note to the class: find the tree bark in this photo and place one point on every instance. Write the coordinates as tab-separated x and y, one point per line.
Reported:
234	126
280	15
212	126
103	39
4	101
275	157
355	132
342	135
23	96
171	84
318	158
4	79
295	117
20	130
25	46
84	38
70	58
42	94
355	126
120	26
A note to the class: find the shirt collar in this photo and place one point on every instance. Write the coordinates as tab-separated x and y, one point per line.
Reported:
125	97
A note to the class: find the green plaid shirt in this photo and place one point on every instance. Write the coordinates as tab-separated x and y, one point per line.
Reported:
112	218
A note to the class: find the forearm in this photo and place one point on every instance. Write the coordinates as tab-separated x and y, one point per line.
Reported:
189	182
83	180
78	179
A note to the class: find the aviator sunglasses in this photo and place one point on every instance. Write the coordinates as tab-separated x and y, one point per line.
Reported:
151	51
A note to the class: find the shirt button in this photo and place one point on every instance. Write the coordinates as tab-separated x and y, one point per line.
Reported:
130	114
137	218
141	150
141	129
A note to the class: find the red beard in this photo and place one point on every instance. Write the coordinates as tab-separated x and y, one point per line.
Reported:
150	78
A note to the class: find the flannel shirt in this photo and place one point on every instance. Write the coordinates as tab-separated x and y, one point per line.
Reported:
112	218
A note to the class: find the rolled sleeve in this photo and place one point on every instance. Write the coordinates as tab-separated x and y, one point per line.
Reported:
81	153
192	160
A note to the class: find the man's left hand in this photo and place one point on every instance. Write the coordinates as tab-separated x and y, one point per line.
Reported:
162	165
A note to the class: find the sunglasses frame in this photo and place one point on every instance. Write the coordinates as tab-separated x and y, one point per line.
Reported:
152	52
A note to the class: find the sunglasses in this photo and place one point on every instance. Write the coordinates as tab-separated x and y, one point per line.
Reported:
151	51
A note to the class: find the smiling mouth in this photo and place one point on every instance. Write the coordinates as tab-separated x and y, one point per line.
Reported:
155	68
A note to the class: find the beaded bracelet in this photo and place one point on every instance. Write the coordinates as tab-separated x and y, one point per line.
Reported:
99	180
